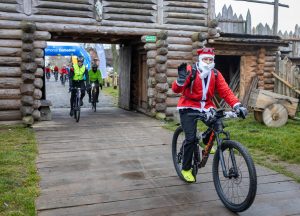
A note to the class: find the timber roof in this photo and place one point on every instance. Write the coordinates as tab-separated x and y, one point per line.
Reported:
248	40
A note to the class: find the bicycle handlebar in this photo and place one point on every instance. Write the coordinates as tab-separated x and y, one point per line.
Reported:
221	113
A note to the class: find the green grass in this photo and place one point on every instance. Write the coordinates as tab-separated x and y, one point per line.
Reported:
268	146
112	92
18	173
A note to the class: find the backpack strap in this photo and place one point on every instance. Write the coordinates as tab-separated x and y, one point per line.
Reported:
215	72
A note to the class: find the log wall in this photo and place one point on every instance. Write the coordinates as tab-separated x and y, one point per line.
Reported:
21	62
10	72
21	48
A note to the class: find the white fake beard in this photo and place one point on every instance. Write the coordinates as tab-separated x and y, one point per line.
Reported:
205	68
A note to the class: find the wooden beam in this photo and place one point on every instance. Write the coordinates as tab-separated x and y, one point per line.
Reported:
275	20
286	83
10	115
264	2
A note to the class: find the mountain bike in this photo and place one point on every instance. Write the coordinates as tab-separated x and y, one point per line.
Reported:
233	170
56	75
63	78
48	76
77	104
94	96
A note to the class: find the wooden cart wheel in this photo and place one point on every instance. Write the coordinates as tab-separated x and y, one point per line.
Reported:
258	116
275	115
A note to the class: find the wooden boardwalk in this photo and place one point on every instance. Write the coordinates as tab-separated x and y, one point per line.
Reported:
115	162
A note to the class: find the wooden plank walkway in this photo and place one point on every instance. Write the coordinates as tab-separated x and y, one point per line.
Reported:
115	162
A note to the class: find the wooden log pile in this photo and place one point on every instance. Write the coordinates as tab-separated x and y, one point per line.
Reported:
269	68
21	53
28	68
150	47
161	76
32	72
260	67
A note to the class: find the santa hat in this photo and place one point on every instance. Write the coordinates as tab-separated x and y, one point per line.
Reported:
206	53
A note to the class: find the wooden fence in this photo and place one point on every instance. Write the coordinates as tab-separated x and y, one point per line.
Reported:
291	74
230	22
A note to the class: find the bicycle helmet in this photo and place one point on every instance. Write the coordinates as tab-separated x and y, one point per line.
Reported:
80	58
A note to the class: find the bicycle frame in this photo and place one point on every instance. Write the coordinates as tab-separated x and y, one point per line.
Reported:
215	136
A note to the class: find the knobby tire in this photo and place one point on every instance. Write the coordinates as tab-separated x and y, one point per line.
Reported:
218	174
77	109
175	150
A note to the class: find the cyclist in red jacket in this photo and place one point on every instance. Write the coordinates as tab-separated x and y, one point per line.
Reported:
197	84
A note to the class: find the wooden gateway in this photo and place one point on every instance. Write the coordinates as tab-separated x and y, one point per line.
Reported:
155	37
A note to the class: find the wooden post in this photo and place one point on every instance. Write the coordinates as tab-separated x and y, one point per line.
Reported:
276	5
211	9
27	5
275	20
160	12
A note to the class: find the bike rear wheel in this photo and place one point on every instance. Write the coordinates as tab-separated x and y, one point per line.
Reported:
238	190
177	153
177	150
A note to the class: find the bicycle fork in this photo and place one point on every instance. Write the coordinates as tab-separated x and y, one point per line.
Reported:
233	171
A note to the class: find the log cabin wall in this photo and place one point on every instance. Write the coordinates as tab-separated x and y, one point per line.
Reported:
96	21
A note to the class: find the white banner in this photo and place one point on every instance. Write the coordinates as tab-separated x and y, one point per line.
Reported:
101	55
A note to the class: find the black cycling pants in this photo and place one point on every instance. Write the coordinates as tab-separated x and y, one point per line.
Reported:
76	84
189	126
89	90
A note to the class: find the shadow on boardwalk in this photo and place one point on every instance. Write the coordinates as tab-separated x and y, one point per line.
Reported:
115	162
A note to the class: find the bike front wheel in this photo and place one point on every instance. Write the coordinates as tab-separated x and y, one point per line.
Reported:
94	104
77	110
94	101
237	190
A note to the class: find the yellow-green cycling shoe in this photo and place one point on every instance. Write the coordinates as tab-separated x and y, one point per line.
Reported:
212	151
188	176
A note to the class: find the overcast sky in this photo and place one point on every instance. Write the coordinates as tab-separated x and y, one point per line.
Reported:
288	17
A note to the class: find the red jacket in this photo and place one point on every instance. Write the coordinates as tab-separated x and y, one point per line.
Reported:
64	71
201	99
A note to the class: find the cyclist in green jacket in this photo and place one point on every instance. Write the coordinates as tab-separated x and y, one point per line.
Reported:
77	80
95	76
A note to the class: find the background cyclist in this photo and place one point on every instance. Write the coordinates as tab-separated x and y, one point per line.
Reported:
96	77
77	80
